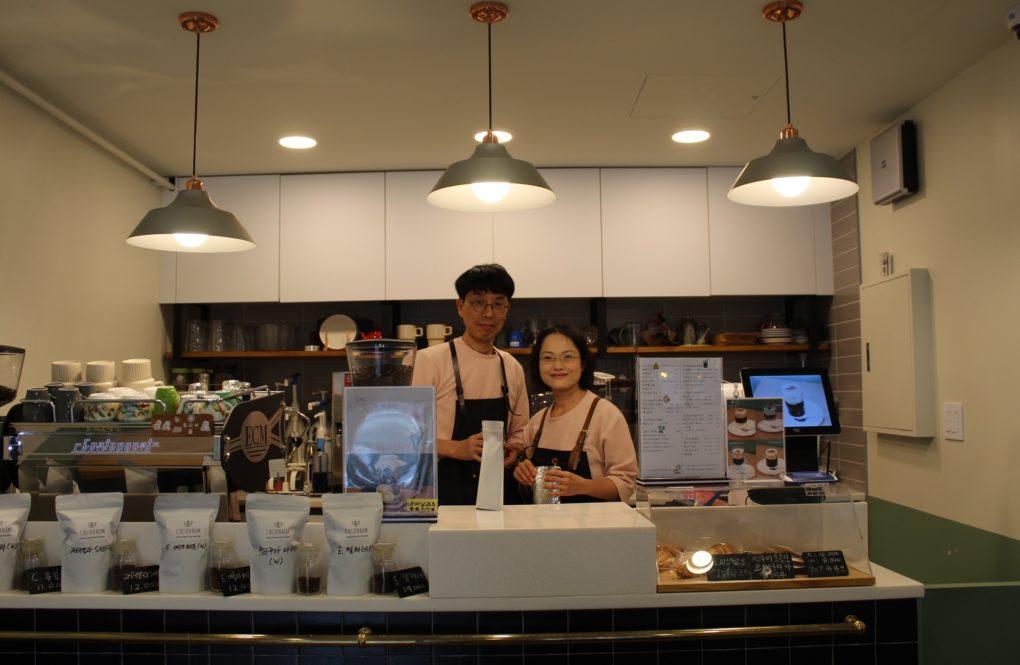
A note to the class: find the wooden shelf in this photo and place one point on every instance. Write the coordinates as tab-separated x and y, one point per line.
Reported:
525	351
211	355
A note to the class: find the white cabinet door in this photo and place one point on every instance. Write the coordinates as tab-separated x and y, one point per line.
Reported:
758	250
555	251
252	276
332	237
427	247
654	233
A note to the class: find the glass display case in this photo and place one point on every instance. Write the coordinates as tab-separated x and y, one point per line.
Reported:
735	537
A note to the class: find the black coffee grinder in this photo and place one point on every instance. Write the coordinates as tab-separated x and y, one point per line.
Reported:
11	360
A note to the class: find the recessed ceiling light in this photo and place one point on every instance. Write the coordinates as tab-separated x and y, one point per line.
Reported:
691	136
298	142
504	137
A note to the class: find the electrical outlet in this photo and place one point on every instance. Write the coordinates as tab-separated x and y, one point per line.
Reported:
952	421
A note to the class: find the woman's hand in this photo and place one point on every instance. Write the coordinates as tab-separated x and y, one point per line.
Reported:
564	483
525	473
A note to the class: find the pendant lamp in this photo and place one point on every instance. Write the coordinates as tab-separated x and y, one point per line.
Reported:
490	180
792	174
192	222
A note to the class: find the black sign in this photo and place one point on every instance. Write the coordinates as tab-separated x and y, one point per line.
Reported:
43	580
410	582
727	567
235	581
139	579
253	435
830	563
772	566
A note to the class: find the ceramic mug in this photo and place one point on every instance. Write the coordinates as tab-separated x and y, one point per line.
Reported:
438	331
409	332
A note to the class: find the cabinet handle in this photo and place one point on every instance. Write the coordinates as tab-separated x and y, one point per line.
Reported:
867	354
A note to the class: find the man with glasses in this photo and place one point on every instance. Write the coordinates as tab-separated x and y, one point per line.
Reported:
475	381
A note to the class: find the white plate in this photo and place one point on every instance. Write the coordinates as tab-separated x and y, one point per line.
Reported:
737	429
764	468
771	426
337	330
813	415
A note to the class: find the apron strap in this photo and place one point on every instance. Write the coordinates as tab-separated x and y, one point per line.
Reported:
538	434
506	396
456	379
575	454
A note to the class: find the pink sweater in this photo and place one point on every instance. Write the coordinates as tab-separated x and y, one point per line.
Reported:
481	378
609	445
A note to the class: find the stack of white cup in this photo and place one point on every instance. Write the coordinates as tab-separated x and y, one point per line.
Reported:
67	372
136	373
101	373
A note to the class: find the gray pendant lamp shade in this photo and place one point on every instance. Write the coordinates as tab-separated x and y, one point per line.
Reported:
191	223
491	180
792	175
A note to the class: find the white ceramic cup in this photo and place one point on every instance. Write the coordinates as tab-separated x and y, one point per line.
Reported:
65	371
409	332
99	371
438	331
133	370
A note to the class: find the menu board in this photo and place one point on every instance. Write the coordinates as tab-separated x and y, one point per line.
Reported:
680	418
830	563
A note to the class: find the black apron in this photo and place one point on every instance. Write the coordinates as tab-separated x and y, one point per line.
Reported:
458	479
574	461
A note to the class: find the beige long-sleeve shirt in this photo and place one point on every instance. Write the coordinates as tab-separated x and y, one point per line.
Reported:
609	446
481	379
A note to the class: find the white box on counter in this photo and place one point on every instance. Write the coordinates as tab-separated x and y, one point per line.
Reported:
581	549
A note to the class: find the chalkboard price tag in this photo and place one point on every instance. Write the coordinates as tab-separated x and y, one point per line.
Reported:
772	566
43	580
830	563
728	567
235	581
410	582
139	580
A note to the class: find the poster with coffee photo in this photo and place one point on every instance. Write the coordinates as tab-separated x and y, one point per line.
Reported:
754	439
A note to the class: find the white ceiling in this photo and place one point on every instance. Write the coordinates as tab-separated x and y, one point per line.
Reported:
400	84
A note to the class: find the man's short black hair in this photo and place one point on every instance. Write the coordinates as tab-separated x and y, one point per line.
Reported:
485	278
587	357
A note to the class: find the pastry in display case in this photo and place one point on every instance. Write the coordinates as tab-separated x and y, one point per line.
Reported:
740	537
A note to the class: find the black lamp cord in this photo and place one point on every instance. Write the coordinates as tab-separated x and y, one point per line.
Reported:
786	75
489	26
194	133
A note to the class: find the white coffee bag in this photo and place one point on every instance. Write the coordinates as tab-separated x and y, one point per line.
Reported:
89	523
13	516
185	527
274	527
352	526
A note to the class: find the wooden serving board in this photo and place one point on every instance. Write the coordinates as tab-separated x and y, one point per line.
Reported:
670	583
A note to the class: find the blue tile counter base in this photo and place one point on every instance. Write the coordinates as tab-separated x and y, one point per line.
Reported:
891	638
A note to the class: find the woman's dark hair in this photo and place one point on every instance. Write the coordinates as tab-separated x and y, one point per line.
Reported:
485	278
575	336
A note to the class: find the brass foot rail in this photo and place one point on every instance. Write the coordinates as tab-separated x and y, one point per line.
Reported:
851	625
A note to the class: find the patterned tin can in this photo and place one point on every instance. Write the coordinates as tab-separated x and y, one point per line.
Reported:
541	493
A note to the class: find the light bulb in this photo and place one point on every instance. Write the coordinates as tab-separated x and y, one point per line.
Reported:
190	240
691	136
491	192
792	186
701	558
298	142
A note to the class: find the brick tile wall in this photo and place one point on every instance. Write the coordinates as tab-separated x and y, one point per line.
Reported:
849	449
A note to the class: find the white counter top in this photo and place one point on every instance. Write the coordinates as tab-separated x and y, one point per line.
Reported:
888	585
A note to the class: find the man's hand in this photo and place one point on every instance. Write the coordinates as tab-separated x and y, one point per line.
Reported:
467	449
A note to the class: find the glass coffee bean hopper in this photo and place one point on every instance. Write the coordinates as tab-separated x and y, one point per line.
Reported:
381	362
11	361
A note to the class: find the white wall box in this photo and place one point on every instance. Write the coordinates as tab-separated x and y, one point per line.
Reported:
655	232
898	353
427	247
758	250
554	251
252	276
332	237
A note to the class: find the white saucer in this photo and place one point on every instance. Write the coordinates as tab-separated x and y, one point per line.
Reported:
736	429
337	330
771	426
744	471
813	415
764	468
